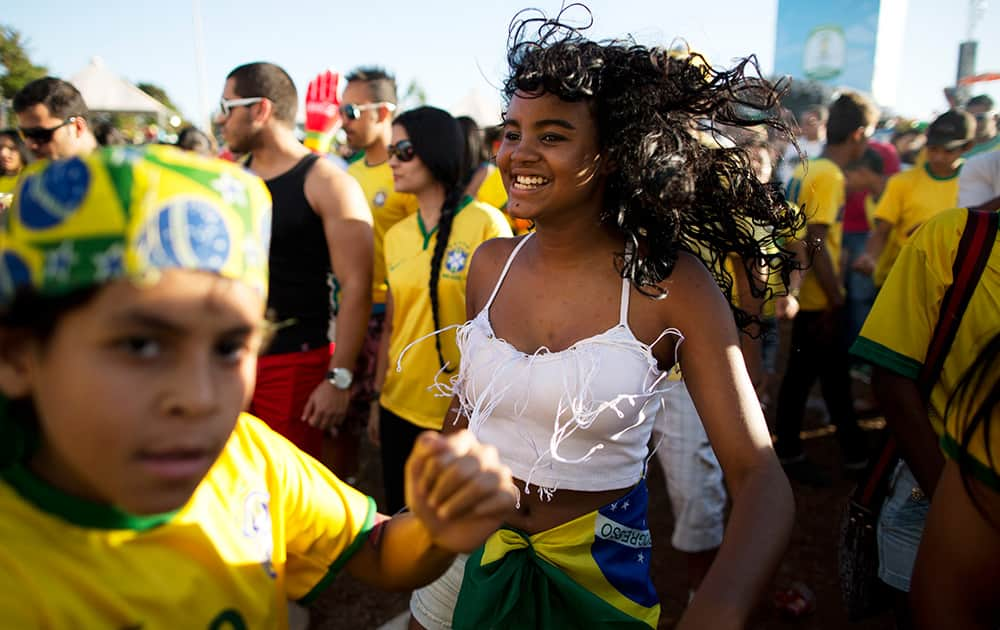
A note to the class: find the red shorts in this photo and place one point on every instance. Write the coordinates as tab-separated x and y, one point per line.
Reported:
284	384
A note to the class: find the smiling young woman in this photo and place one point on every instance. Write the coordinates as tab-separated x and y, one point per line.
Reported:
573	328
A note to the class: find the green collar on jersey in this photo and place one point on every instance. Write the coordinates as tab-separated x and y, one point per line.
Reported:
466	200
73	509
927	169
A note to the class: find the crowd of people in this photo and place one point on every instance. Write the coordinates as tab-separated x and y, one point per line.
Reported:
520	318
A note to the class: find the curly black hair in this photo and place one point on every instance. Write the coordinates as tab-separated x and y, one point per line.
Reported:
679	183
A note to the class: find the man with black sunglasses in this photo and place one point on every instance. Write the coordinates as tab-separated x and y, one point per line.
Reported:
52	119
367	109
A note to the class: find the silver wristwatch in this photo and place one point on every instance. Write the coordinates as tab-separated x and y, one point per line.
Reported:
341	378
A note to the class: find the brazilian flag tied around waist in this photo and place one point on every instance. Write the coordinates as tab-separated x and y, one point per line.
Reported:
592	572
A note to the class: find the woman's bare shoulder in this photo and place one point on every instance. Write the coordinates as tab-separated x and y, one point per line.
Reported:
690	299
484	270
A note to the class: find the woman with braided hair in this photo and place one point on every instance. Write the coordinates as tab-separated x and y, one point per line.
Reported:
427	258
573	328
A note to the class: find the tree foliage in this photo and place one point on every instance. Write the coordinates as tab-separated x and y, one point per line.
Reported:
18	70
158	93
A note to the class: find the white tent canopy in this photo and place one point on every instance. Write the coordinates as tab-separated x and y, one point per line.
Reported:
105	91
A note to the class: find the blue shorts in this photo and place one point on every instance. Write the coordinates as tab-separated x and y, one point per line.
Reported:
900	526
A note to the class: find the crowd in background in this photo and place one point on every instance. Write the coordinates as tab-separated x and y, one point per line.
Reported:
372	290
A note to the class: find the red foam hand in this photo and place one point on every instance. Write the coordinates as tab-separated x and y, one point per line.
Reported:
322	102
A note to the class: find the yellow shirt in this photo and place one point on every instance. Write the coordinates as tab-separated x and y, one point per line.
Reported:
899	328
267	524
408	251
492	191
388	208
817	187
910	199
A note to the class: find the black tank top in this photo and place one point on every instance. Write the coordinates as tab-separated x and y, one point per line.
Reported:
298	292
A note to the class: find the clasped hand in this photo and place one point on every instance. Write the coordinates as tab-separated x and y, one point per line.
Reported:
458	489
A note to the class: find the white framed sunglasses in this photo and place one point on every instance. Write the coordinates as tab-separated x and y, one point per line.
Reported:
353	112
227	105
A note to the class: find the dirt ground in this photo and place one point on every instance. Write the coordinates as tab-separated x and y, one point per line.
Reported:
811	557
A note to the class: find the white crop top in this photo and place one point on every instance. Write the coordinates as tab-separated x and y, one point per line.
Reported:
577	419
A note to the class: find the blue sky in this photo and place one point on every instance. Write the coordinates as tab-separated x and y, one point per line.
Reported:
449	47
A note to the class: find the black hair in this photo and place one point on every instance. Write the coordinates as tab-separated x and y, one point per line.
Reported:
849	112
659	117
870	159
983	100
821	112
60	97
271	82
491	135
381	84
474	153
438	141
981	380
108	135
19	146
196	140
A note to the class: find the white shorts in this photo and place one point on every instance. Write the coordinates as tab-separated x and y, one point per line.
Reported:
694	477
433	605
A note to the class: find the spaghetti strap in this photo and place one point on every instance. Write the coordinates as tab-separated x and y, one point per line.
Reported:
623	315
506	268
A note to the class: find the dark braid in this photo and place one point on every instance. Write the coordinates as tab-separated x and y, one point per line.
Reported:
448	210
439	142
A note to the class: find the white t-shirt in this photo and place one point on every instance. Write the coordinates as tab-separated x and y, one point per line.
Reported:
979	180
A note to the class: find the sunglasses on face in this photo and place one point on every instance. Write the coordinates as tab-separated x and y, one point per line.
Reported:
43	135
402	150
228	105
353	112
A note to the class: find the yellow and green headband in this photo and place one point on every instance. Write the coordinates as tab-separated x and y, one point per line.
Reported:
128	212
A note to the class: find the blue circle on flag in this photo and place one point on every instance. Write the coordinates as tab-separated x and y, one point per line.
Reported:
50	197
14	273
188	233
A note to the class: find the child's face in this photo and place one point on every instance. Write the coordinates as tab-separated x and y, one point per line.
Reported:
138	390
942	161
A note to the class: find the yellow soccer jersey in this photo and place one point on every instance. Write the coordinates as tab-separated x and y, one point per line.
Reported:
492	191
388	208
817	187
899	328
910	199
408	251
267	524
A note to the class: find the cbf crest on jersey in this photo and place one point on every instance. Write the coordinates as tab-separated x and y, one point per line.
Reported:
257	528
131	212
456	260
